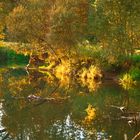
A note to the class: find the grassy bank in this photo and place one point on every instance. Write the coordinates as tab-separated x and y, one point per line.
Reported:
9	57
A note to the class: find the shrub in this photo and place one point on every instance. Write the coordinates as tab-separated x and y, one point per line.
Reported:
135	73
90	77
127	81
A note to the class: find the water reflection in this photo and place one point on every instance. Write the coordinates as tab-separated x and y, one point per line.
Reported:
67	128
21	118
71	130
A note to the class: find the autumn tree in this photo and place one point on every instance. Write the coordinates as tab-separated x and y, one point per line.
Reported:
116	26
48	23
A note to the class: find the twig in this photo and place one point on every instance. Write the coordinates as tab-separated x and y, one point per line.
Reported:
54	90
6	136
136	136
2	130
125	137
121	108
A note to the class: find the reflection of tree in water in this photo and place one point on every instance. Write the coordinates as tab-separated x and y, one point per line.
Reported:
69	129
31	122
3	132
91	84
22	85
42	124
23	119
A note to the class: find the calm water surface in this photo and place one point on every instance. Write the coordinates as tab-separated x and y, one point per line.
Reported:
24	116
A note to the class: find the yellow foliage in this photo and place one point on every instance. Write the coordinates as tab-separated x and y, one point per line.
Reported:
19	9
62	72
16	86
127	82
2	36
94	72
92	85
91	73
1	43
88	77
111	59
91	114
51	65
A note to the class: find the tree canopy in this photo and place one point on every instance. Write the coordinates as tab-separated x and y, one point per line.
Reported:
65	23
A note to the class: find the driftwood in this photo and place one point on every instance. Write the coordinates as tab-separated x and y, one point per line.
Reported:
48	99
2	130
125	137
136	136
132	118
33	98
6	136
121	108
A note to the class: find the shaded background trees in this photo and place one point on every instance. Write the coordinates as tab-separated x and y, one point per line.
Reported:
116	25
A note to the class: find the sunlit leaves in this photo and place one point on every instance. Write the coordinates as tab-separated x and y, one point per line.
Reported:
90	77
91	115
127	81
2	36
62	72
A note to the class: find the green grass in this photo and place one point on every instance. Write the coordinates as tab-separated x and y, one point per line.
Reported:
135	73
9	57
135	58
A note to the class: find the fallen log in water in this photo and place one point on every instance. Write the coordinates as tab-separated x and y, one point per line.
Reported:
2	130
46	99
123	114
136	136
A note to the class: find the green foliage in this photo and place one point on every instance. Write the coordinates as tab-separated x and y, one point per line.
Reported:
89	50
116	26
135	58
111	27
9	57
135	73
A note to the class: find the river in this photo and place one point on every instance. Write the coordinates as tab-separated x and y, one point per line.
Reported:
25	115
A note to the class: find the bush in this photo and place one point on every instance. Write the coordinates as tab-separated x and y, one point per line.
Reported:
127	81
135	58
9	57
135	73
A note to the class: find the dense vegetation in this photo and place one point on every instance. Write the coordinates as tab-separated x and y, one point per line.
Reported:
81	54
62	33
10	58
